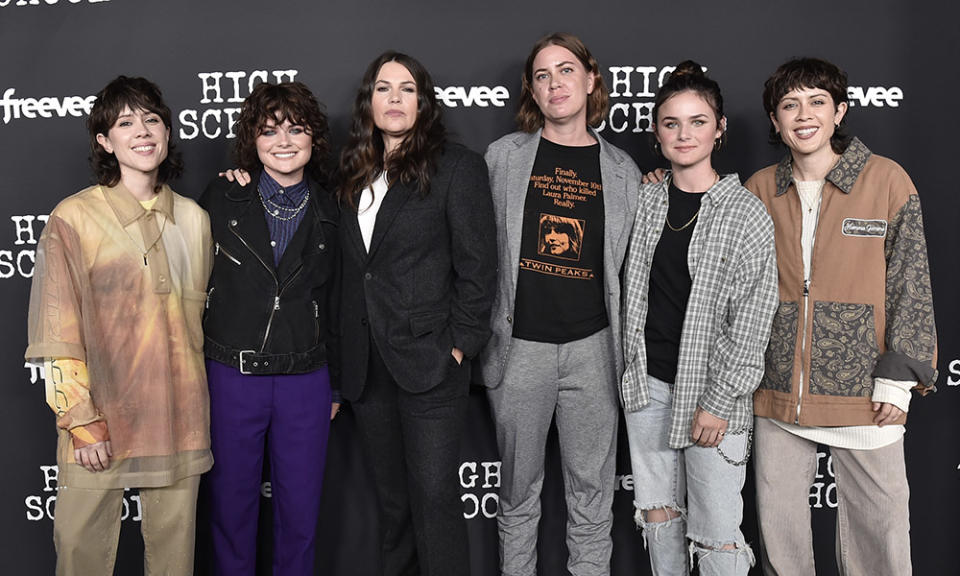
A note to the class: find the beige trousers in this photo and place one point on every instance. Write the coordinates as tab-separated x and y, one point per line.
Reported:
86	529
873	514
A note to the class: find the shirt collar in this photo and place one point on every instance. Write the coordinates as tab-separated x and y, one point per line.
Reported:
843	175
128	209
716	193
271	190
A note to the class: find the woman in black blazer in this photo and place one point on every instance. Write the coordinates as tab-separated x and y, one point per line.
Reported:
419	268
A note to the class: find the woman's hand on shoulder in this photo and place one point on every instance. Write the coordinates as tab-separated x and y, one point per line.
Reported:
654	177
238	175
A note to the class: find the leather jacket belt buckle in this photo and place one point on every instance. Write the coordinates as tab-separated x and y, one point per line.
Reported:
243	369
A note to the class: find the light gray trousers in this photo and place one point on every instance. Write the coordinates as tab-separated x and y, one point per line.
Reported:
576	382
873	516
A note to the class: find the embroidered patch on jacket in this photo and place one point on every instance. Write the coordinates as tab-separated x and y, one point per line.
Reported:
857	227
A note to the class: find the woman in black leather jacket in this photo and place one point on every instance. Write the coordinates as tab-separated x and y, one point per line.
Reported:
268	337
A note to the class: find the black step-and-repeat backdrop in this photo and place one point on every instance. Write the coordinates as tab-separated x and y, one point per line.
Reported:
206	56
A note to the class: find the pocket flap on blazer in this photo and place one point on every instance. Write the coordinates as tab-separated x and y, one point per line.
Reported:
426	323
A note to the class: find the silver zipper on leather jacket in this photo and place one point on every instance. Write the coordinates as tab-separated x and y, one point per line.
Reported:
217	249
276	298
276	282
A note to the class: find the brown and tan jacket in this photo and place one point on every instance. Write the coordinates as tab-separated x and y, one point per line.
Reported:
869	309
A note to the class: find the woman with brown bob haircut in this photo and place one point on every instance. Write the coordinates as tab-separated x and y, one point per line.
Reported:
115	318
555	349
419	262
271	367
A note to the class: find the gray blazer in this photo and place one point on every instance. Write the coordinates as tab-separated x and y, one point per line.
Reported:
510	162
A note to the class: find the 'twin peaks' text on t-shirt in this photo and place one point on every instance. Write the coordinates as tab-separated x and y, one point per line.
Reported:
560	279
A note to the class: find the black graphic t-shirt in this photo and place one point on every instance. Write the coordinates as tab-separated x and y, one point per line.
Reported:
560	281
670	285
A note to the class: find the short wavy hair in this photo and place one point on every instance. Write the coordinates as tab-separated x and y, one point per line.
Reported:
137	94
807	73
529	116
291	101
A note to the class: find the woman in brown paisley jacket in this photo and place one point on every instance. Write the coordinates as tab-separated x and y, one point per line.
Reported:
854	332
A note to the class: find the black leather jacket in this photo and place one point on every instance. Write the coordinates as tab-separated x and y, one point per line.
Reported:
262	318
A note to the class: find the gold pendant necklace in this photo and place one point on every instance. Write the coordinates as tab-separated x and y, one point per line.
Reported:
144	253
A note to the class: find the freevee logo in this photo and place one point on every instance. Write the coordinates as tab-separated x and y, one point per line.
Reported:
875	96
214	121
482	96
43	107
5	3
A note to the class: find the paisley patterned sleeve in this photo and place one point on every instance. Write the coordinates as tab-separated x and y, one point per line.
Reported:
910	338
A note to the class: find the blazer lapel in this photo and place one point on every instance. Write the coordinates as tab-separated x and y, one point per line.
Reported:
397	196
519	168
351	228
614	180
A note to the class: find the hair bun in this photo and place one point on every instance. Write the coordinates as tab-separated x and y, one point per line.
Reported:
687	68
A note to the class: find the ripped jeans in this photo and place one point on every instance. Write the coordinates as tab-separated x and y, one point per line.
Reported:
702	484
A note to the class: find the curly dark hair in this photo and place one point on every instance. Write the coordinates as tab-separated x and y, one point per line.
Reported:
529	116
414	160
291	101
136	94
807	73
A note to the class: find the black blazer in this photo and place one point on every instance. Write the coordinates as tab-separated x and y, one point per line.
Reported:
427	284
282	316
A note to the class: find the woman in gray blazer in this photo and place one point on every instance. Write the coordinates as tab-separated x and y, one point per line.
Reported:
564	202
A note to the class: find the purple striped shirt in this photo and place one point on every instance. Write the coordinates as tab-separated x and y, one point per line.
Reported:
282	231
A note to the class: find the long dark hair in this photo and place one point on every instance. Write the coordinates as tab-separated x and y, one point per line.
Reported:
136	94
362	159
291	101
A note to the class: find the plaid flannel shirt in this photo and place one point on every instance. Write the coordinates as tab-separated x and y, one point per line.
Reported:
733	266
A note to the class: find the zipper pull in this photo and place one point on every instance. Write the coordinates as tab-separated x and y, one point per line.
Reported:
316	309
276	302
806	287
216	249
209	296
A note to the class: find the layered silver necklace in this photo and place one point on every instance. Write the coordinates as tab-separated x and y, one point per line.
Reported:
282	212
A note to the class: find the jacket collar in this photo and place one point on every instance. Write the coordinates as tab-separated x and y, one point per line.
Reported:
322	209
128	209
843	175
522	139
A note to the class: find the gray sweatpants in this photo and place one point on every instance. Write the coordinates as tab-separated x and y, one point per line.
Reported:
576	382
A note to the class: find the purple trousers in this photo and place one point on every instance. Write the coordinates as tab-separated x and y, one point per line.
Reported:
289	415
